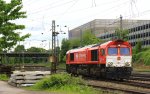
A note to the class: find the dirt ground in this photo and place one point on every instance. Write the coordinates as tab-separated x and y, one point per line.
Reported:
5	88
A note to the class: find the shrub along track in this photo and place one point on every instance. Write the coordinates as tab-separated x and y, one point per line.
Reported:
137	80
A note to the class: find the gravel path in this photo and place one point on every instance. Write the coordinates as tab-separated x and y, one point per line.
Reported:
5	88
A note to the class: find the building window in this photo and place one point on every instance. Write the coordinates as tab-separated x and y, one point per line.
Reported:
146	34
138	35
146	26
141	28
129	37
138	28
134	29
129	30
146	42
149	25
133	36
149	33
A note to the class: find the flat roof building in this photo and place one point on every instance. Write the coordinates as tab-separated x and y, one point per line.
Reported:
105	29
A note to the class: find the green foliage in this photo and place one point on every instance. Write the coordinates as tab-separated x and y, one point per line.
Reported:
142	57
4	77
122	34
8	13
35	49
57	80
64	48
89	38
63	83
74	43
19	48
138	47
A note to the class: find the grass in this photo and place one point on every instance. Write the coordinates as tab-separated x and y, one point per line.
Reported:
4	77
141	67
62	65
64	83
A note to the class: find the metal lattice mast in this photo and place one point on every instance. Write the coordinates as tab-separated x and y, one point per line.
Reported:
53	65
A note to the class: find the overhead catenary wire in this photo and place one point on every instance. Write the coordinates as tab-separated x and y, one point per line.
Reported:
82	9
69	8
51	7
84	18
48	5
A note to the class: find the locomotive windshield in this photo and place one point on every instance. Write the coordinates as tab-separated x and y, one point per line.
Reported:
124	51
112	51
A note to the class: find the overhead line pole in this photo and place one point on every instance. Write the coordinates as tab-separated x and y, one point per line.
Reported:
120	25
53	64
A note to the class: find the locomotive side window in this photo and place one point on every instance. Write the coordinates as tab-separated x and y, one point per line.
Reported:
112	51
102	52
124	51
66	56
94	55
71	56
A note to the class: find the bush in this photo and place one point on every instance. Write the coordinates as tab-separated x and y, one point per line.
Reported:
142	57
64	83
3	77
57	81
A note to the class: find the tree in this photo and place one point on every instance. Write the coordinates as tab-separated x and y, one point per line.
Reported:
75	43
19	48
89	38
138	47
8	13
35	49
64	48
35	59
122	34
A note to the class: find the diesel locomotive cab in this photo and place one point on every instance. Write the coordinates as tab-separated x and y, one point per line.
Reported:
118	61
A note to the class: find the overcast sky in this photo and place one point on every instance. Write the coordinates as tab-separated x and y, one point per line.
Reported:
73	13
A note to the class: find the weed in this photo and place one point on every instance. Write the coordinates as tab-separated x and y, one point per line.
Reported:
4	77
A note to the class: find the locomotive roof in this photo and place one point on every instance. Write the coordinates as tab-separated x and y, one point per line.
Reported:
94	45
114	42
81	48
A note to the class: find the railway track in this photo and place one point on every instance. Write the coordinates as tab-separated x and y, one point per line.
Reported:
140	76
118	89
137	80
134	83
110	85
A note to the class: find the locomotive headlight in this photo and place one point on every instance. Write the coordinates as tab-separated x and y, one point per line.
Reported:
127	64
110	64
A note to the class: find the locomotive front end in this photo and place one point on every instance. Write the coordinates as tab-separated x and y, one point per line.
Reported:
118	60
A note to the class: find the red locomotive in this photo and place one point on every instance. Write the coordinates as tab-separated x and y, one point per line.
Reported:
110	60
